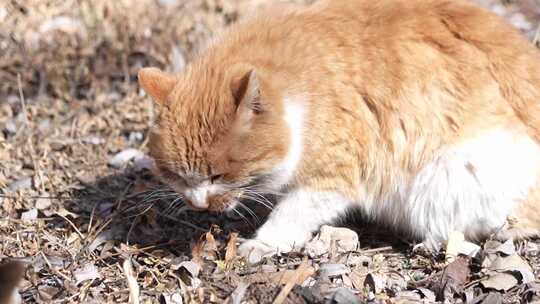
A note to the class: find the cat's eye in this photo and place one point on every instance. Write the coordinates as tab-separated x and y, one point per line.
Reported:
215	177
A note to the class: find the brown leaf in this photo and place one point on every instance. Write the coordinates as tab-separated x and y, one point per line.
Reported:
304	270
196	253
230	253
453	278
281	277
210	247
458	272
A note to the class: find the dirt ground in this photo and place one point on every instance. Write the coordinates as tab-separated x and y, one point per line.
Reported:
79	207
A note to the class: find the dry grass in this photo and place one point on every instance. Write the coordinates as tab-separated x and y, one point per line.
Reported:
93	233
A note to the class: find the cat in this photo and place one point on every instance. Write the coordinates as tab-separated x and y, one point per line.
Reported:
422	114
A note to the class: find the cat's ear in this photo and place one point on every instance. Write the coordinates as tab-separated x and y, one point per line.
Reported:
156	83
246	90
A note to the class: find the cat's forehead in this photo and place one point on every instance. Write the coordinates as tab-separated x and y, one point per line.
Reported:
189	134
201	100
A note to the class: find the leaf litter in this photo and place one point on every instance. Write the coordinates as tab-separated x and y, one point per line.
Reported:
80	208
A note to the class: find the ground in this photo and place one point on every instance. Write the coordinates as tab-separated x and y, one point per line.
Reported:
89	224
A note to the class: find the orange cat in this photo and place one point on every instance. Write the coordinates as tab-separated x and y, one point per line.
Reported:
423	114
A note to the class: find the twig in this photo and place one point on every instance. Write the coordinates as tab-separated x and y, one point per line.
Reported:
374	250
28	197
91	221
131	281
54	270
132	251
282	296
37	168
21	98
81	236
131	227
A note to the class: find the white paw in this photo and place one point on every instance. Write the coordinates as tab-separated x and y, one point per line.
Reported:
254	250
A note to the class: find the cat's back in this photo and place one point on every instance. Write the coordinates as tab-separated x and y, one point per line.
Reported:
437	53
353	32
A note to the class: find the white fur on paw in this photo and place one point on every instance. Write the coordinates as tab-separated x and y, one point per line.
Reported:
254	251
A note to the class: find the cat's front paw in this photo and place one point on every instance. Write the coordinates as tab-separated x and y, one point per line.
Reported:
254	250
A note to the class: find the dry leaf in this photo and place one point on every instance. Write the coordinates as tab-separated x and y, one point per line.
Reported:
192	267
343	240
281	277
507	248
43	203
507	272
230	253
239	292
46	293
357	279
457	245
29	215
304	270
375	282
333	270
197	253
63	212
500	281
209	247
88	272
123	158
453	278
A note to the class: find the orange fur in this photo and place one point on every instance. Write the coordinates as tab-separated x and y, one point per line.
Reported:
386	84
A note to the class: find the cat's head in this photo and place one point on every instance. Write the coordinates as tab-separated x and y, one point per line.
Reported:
220	134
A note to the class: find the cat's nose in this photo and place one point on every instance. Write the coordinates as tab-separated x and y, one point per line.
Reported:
198	198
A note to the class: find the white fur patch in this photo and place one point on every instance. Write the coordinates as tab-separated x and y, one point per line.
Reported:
199	194
294	117
298	215
472	187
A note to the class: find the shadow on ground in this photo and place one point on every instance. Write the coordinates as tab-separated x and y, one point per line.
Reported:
129	208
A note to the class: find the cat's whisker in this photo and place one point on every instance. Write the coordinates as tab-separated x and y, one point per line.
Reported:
259	199
142	212
153	194
158	196
137	207
175	203
243	217
181	209
251	213
264	188
255	200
